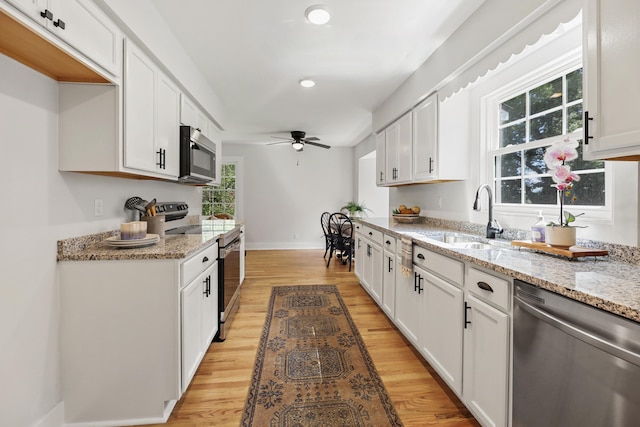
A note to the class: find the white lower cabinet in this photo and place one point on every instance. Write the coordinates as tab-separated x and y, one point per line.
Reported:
120	367
359	256
389	284
408	305
369	247
487	347
442	328
199	303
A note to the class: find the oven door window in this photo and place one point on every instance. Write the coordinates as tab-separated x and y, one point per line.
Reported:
203	161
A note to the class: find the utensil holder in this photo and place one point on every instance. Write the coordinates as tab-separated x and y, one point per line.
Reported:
155	224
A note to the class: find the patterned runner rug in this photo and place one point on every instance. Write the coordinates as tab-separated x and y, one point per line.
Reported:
312	367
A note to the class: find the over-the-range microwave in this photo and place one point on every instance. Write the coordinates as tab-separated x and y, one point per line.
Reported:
197	157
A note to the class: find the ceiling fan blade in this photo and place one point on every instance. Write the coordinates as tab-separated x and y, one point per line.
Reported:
312	138
281	137
317	144
279	142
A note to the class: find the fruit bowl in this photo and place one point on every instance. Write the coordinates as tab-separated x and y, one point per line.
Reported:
406	218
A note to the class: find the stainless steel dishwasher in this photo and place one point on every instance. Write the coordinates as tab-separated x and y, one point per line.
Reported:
573	364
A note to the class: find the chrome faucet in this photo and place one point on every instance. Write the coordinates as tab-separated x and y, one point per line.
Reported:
493	227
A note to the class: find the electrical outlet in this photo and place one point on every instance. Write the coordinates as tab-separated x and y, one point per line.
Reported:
97	207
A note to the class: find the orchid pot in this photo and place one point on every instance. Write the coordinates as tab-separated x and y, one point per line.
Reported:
560	237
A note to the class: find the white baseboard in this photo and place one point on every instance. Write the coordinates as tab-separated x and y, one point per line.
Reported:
55	417
263	246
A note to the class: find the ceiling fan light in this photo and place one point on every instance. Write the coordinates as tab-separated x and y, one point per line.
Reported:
307	83
317	14
298	146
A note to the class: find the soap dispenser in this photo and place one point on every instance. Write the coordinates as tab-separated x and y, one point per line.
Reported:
537	229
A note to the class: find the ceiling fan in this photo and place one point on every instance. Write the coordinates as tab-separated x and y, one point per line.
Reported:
298	140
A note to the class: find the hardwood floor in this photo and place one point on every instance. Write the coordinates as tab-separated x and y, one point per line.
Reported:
218	391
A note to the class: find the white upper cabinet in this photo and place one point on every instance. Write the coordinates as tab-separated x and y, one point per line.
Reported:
612	89
425	139
151	116
81	25
397	151
381	157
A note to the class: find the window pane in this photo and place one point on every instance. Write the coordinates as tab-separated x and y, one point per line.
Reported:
207	196
513	135
589	191
574	85
509	164
538	191
513	109
547	96
206	210
546	126
510	191
574	117
580	165
534	161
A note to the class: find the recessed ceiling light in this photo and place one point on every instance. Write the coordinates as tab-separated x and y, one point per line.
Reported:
317	14
307	83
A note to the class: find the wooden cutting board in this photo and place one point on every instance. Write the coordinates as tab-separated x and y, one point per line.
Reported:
572	252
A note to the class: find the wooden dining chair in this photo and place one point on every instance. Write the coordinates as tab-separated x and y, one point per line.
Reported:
324	221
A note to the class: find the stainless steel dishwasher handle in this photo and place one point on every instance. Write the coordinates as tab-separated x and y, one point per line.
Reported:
577	333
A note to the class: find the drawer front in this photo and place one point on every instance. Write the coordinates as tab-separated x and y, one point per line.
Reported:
374	235
198	263
489	288
389	243
441	265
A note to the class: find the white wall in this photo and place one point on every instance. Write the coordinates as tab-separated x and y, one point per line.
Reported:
375	198
286	192
39	206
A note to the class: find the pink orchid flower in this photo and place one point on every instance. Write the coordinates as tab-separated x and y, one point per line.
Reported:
560	152
563	174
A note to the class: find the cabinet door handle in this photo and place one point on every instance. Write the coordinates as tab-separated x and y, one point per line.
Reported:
587	137
390	265
159	162
417	283
164	158
206	286
46	14
466	308
420	256
430	165
485	286
60	24
380	176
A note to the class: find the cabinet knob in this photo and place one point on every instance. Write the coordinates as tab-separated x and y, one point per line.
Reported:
46	14
60	24
205	259
420	256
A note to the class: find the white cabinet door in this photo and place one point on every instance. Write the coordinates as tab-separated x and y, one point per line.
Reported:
391	153
167	125
188	112
611	72
360	256
139	95
376	260
486	363
192	321
209	306
87	30
389	284
405	148
381	157
441	328
367	269
408	305
425	140
33	9
242	255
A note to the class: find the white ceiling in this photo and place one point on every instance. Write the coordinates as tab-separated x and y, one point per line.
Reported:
254	52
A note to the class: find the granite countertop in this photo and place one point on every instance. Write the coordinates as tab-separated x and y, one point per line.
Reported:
600	282
176	246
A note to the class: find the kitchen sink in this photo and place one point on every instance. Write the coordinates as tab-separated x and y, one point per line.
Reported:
463	241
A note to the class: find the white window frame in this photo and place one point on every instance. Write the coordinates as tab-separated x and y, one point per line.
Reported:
489	115
238	162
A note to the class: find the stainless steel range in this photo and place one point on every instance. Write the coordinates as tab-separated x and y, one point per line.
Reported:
229	233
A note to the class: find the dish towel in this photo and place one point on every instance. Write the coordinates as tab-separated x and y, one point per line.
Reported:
406	258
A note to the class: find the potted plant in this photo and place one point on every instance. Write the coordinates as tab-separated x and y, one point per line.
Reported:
556	157
355	209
